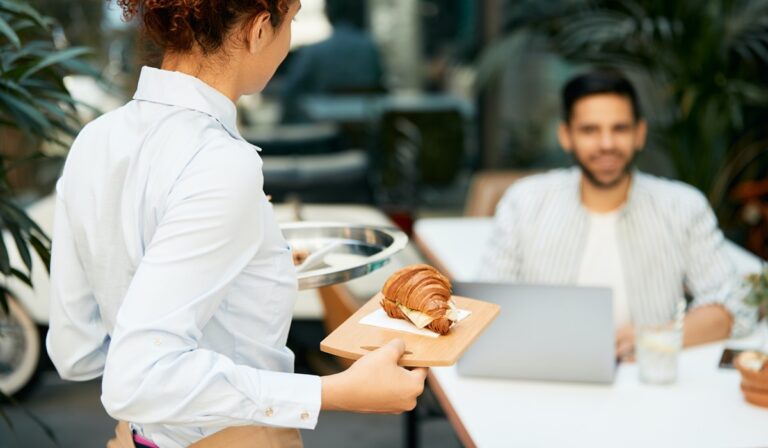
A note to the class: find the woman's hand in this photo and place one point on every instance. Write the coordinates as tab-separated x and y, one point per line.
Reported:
123	437
375	383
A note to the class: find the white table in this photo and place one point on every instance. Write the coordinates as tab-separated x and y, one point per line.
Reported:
703	409
308	304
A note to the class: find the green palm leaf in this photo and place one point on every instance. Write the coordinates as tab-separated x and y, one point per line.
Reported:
21	245
33	98
55	58
9	33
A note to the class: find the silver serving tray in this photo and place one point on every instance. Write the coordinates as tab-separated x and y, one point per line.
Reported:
339	252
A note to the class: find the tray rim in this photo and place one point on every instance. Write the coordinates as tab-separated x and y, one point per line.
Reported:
330	275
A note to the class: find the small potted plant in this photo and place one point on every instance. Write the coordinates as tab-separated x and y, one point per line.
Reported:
758	294
753	365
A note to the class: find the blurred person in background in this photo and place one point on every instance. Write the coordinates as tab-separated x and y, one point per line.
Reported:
348	62
170	277
605	223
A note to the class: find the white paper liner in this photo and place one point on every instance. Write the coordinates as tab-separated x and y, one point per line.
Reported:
380	319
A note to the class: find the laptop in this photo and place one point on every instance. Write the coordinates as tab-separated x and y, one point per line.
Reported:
549	333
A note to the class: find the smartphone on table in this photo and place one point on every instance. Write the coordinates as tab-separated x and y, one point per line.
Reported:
728	357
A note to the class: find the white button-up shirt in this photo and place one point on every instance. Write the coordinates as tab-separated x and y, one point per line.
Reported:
170	276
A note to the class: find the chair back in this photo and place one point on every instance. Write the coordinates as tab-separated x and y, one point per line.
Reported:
487	188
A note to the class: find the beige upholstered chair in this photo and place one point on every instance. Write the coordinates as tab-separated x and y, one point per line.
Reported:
487	188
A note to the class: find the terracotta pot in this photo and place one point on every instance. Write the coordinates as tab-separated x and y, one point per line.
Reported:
757	397
754	383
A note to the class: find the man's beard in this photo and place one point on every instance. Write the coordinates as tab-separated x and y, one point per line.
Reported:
595	181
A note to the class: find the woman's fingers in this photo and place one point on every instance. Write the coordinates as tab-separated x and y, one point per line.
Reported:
376	383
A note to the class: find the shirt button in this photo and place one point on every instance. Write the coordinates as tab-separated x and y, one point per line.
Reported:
305	416
158	342
269	412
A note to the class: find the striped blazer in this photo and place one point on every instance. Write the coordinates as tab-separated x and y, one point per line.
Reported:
669	243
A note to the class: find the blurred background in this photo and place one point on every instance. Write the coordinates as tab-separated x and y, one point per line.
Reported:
406	100
402	106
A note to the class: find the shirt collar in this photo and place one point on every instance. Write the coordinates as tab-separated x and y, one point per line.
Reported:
182	90
632	195
634	190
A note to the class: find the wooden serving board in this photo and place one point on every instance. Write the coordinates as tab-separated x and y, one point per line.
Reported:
352	339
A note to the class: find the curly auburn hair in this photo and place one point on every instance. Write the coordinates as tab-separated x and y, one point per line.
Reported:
179	25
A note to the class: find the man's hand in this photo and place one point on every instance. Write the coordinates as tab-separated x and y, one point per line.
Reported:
625	343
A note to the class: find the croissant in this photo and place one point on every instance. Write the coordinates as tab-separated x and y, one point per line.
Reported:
421	288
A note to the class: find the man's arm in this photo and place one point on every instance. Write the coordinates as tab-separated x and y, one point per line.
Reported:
702	324
718	309
706	323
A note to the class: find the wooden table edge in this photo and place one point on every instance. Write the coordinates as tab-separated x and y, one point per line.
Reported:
434	384
450	412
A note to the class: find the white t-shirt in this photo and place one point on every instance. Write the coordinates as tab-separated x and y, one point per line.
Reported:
601	264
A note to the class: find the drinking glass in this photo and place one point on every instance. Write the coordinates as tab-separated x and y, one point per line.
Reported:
658	348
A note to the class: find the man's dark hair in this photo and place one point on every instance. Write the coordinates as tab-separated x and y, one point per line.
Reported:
594	83
351	12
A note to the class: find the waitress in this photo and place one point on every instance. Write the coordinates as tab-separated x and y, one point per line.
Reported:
170	277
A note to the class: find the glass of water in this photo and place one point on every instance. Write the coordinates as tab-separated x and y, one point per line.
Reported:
657	347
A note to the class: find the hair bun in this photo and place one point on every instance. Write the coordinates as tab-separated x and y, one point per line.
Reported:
181	25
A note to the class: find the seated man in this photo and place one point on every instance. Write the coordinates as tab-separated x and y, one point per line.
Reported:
604	223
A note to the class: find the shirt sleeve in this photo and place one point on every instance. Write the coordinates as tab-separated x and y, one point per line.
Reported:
77	340
502	258
156	371
710	275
